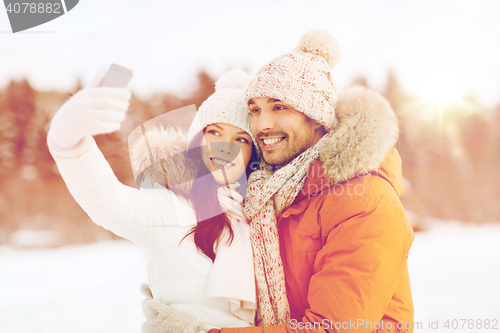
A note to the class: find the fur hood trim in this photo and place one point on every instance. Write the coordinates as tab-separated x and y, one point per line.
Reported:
160	156
366	131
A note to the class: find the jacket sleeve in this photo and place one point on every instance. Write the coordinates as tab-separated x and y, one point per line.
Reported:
365	247
128	212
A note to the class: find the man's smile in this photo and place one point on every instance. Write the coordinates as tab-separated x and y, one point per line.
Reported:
271	143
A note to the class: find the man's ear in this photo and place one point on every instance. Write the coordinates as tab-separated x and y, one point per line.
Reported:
315	125
321	130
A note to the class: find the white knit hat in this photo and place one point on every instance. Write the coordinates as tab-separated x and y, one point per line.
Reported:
227	105
302	78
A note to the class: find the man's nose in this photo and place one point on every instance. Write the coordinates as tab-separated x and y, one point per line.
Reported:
265	121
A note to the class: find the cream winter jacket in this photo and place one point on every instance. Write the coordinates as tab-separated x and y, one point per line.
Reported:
219	294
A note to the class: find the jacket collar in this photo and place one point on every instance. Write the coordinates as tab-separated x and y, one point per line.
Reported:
367	129
316	182
362	142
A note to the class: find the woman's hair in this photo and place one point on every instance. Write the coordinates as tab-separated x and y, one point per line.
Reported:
211	219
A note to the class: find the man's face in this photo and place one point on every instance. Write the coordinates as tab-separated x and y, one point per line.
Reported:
282	132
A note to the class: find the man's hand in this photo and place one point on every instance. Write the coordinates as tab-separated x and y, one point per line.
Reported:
91	111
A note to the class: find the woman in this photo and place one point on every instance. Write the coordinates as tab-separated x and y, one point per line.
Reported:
187	216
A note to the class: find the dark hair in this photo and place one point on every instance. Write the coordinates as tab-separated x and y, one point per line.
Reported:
212	221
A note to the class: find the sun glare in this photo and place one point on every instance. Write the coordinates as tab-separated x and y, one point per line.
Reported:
438	109
437	81
436	95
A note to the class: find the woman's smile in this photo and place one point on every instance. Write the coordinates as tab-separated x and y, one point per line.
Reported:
220	163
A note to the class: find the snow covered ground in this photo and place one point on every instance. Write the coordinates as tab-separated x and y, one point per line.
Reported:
455	274
89	288
454	269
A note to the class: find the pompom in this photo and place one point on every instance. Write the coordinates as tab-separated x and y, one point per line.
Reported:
235	79
321	42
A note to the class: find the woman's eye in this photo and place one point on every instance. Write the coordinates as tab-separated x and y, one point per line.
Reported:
214	132
254	110
279	107
242	140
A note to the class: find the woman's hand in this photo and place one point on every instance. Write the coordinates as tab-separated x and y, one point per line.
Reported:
163	318
91	111
231	201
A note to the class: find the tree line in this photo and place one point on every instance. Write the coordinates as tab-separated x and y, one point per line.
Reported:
450	156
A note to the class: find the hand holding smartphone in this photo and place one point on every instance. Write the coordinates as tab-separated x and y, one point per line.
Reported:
93	111
117	77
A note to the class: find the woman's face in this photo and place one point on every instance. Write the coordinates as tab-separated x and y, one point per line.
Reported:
226	151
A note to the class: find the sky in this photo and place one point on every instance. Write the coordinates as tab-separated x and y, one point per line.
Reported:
440	50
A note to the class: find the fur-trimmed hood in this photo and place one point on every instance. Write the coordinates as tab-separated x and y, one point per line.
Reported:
160	156
366	131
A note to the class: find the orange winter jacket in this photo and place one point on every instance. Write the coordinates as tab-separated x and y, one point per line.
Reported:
344	249
344	244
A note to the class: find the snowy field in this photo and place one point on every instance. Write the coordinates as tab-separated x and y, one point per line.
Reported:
454	268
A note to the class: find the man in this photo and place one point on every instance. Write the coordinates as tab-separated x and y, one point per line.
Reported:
329	234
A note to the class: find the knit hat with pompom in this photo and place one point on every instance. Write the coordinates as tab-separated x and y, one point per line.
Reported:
227	105
302	78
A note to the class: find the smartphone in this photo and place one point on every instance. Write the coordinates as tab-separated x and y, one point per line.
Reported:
117	77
